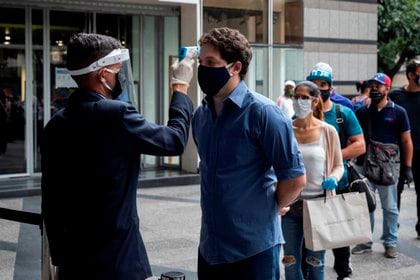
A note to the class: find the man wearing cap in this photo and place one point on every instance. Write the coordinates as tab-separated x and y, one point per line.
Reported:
408	97
334	96
91	161
385	122
284	101
352	145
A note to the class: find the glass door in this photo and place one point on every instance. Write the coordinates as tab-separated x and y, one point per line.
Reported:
12	91
63	24
160	49
153	42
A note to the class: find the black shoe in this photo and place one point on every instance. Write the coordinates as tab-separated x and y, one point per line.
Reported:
361	249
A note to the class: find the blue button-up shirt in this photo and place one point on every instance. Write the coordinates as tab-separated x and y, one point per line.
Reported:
243	152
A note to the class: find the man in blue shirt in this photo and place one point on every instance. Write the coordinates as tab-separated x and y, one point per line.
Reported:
386	122
339	99
353	145
250	165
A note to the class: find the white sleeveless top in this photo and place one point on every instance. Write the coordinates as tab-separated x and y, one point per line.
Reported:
314	156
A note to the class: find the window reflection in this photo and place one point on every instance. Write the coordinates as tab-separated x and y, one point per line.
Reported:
12	91
63	25
248	16
38	88
287	65
257	78
116	26
287	22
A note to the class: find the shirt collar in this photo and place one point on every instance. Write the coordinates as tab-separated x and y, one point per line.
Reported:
236	97
389	104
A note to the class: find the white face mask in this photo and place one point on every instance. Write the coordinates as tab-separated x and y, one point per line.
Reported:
302	107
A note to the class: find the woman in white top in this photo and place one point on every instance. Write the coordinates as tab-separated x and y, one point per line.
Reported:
319	144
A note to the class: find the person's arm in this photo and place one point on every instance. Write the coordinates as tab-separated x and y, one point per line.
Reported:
355	147
180	88
334	155
407	148
289	190
280	147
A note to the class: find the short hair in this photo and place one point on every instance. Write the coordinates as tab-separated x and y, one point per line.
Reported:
232	45
83	49
412	66
361	86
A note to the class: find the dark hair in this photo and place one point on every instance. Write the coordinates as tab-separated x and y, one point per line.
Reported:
83	49
315	92
232	45
412	66
361	86
312	88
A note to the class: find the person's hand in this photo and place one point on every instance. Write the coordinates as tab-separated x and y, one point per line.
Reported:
284	210
182	72
329	184
408	174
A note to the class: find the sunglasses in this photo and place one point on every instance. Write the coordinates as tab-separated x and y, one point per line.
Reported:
302	97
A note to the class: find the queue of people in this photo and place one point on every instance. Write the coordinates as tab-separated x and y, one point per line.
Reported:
257	162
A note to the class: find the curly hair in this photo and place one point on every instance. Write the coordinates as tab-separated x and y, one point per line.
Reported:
232	45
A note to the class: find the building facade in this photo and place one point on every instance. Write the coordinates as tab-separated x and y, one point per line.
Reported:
288	37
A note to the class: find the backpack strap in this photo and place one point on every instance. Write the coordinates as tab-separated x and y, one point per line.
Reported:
340	122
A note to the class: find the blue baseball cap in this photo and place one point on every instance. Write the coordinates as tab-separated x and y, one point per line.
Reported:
381	78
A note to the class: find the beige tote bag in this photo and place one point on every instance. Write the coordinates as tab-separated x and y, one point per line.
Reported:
336	221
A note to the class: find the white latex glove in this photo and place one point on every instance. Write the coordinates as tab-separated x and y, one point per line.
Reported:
182	72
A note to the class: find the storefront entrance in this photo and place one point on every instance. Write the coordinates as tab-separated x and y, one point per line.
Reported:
34	82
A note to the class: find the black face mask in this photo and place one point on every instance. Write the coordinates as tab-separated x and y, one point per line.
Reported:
325	94
118	86
212	79
376	96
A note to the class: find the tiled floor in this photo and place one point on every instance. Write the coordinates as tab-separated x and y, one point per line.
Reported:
170	225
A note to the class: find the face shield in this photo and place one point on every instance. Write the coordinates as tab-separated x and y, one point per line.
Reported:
124	75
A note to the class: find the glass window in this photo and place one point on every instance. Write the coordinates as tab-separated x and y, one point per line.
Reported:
62	26
150	99
170	45
288	64
116	26
287	22
250	17
38	86
257	77
12	91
